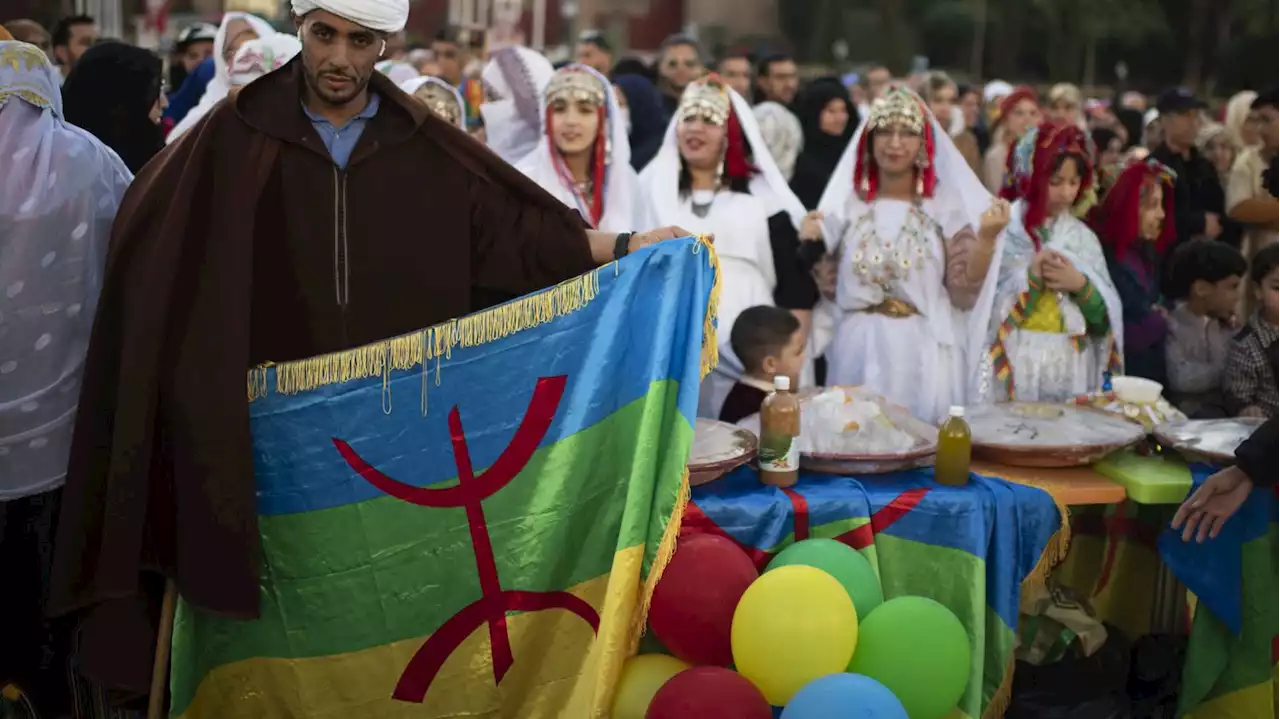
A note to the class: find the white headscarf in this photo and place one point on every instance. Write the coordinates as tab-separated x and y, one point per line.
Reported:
660	178
59	192
397	72
782	133
959	200
379	15
220	85
260	56
620	181
412	86
517	77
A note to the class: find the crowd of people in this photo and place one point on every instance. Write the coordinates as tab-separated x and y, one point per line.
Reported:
164	230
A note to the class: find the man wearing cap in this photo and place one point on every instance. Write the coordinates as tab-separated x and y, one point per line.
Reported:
319	209
595	52
193	46
1179	124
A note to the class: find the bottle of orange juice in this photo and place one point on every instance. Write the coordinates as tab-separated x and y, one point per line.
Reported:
780	435
955	445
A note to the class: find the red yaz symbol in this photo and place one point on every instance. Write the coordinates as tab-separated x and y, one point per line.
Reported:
470	493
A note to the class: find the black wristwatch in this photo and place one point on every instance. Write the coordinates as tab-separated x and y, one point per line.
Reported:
622	246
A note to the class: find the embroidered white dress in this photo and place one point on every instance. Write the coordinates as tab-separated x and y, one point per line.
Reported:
747	277
916	361
1048	366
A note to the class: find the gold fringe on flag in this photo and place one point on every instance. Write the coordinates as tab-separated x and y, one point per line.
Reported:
666	550
710	343
380	359
1055	551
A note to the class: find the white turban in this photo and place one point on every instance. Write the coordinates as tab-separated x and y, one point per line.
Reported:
379	15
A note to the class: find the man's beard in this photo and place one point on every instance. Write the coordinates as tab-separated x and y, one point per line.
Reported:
317	86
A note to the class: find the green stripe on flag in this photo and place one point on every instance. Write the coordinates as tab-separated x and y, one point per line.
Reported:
1219	662
957	579
380	571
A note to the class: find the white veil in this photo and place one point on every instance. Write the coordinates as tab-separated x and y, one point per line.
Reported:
959	200
59	192
220	85
620	183
413	85
512	123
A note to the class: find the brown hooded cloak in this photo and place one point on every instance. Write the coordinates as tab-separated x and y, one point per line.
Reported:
244	243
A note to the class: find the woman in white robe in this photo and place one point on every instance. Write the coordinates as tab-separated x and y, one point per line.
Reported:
714	175
236	29
1052	323
514	81
914	232
441	98
584	156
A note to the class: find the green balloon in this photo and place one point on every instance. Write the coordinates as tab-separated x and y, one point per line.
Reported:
919	650
841	561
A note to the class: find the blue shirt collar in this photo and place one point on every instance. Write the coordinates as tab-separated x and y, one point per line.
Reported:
369	111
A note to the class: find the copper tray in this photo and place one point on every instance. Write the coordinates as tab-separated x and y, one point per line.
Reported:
1037	434
921	455
718	448
1209	440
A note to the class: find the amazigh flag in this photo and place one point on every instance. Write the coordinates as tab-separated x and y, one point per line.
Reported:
468	520
970	548
1230	671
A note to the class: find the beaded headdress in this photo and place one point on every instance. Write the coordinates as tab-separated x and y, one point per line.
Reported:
707	99
899	106
440	101
575	86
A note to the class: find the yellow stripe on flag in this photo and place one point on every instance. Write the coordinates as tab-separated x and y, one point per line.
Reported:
1255	702
561	669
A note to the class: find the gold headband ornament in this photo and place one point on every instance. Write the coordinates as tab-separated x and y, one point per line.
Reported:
708	100
897	107
440	101
575	86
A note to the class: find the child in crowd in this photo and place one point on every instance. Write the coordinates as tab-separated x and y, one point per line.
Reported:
769	342
1055	310
1136	225
1249	382
1206	285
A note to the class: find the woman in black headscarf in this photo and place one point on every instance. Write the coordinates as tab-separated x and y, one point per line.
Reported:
116	92
829	119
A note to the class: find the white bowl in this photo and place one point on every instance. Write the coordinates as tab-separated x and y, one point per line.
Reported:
1137	389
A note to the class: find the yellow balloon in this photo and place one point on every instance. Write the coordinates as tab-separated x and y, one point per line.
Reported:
793	625
642	677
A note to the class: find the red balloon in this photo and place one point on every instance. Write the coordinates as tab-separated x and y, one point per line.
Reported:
692	608
708	693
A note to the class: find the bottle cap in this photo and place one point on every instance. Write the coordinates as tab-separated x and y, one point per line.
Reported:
956	411
782	382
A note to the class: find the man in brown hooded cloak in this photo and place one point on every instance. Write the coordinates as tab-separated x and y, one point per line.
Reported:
318	210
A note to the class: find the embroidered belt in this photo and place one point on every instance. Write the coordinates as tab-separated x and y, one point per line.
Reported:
893	307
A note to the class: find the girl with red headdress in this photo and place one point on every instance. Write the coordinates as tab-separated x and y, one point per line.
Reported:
1018	112
914	233
714	175
584	156
1050	322
1135	224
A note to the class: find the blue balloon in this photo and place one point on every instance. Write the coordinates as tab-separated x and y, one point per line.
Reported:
850	696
